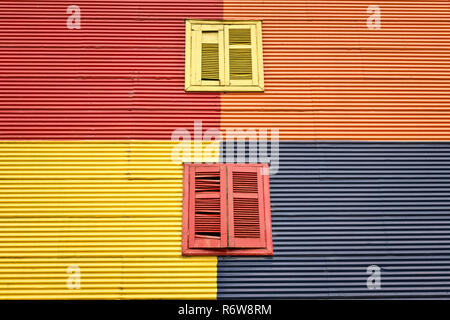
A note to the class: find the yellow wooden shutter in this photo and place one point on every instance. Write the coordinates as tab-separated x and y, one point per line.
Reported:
241	61
210	61
207	55
224	56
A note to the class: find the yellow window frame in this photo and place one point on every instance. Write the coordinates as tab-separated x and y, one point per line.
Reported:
193	81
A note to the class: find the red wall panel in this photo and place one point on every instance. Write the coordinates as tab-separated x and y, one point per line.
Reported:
120	76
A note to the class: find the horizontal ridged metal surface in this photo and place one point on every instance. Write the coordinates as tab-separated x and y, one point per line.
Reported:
120	76
113	209
339	207
329	77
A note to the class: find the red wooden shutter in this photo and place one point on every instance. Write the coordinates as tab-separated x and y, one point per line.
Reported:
207	207
246	207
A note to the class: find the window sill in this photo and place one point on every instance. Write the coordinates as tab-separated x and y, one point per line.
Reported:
227	252
224	89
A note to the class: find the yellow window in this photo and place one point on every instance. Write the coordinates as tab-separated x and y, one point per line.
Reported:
224	56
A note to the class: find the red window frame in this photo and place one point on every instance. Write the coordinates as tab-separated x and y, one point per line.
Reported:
228	244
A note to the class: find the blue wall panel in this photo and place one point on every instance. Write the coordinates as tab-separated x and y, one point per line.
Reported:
339	207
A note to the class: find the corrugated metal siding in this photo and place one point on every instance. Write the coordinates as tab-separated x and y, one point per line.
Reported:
328	77
111	208
121	76
338	208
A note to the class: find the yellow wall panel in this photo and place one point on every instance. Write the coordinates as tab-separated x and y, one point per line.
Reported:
111	209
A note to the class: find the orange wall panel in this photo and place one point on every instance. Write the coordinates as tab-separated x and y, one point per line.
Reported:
329	77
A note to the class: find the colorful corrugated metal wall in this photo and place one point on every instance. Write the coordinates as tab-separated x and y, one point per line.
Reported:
112	209
338	208
328	77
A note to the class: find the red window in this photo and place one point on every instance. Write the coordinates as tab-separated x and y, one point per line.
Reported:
226	210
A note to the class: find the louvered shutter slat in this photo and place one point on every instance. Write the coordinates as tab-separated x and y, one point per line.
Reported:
241	64
210	61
